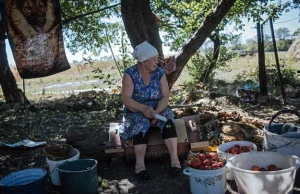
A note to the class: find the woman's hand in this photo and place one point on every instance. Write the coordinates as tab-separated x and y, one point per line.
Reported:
169	66
154	121
149	112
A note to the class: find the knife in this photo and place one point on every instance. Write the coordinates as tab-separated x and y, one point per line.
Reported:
162	118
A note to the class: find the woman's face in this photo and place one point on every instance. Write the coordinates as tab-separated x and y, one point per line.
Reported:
151	63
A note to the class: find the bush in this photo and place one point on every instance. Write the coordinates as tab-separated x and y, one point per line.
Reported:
200	62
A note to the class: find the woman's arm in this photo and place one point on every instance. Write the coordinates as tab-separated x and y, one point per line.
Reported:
165	92
127	91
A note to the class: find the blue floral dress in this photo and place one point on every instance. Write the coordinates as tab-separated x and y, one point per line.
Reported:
136	122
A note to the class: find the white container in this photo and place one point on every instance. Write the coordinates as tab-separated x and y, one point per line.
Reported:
221	151
280	143
53	164
264	182
206	181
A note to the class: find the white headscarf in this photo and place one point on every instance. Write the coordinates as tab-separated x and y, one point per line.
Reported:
144	51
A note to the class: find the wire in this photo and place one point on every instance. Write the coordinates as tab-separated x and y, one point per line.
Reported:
287	20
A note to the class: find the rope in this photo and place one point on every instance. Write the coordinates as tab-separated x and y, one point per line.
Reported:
24	91
207	68
107	37
287	20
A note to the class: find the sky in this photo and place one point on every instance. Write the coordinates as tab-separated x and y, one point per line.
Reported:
288	20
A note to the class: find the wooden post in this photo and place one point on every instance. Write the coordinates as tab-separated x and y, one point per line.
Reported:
277	62
261	61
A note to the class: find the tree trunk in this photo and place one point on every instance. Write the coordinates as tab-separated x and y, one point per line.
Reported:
11	92
140	23
208	25
216	40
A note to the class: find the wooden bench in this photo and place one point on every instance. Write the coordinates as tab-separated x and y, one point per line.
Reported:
187	133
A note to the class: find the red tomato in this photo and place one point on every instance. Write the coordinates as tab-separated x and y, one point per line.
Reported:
221	164
272	167
255	168
216	158
207	161
202	157
196	163
212	154
214	166
237	146
262	169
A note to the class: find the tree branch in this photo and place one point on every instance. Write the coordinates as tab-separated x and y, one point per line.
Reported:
207	26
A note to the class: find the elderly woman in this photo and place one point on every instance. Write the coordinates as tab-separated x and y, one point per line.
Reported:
146	93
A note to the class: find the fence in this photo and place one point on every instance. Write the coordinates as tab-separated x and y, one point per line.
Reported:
268	56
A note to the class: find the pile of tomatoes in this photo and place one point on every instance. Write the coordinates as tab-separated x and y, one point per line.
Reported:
205	161
237	149
271	167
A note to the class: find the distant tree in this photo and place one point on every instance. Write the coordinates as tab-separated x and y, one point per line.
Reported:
284	45
283	33
236	43
251	44
268	44
296	32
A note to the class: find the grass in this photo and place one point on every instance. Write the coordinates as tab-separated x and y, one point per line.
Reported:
248	65
80	77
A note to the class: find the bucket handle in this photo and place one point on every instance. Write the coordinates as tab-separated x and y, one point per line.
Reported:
297	163
283	111
229	165
187	172
55	168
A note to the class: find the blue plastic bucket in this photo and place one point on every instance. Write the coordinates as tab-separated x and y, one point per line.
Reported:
29	181
79	176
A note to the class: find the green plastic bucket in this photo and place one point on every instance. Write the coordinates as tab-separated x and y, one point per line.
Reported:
79	176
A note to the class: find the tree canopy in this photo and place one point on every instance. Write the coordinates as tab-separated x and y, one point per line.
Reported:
180	19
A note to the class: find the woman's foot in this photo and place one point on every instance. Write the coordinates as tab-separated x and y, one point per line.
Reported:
175	168
175	162
175	172
143	176
139	167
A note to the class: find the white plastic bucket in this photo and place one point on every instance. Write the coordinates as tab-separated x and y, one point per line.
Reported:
206	181
264	182
278	140
221	151
53	164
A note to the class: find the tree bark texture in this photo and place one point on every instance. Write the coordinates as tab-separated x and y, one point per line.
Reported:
206	28
140	23
216	41
11	92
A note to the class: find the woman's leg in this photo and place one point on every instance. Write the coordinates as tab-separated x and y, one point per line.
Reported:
170	138
171	144
140	142
140	151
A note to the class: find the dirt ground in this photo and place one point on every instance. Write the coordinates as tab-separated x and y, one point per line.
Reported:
120	177
45	123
